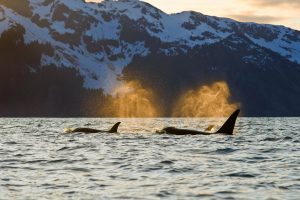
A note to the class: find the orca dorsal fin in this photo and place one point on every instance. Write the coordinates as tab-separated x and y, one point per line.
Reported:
228	126
114	129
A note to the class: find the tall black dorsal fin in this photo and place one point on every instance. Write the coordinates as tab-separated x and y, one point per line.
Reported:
228	126
114	129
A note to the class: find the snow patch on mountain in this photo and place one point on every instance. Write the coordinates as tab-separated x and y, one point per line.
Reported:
105	30
60	27
4	25
32	31
288	49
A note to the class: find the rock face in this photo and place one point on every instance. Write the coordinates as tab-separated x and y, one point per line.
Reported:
64	53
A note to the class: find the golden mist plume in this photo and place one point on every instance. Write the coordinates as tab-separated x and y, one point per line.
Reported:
131	100
207	101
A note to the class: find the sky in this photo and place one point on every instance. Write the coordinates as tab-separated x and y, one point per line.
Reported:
279	12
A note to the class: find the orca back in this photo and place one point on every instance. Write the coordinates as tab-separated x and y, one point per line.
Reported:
228	126
85	130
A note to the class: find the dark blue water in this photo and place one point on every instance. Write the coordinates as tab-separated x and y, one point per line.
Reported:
39	161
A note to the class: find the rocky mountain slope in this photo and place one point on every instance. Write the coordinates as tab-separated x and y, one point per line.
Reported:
91	46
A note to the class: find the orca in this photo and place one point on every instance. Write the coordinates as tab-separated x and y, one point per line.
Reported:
114	129
226	129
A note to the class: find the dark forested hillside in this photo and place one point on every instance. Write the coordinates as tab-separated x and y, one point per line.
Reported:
27	89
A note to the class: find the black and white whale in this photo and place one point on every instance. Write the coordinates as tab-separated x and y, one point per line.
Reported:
226	129
114	129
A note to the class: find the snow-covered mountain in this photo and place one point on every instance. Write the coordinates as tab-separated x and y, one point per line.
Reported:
126	38
100	39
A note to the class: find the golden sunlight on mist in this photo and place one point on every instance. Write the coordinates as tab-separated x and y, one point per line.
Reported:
207	101
132	100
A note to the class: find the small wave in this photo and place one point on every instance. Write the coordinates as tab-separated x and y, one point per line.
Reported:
125	166
149	185
163	194
287	138
155	168
13	185
78	169
283	188
258	158
114	163
182	170
269	139
167	162
241	174
19	155
225	151
52	186
204	195
36	161
57	161
74	147
70	192
10	143
271	150
9	160
8	167
64	148
225	192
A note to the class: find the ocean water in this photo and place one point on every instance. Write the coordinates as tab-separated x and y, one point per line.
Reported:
39	161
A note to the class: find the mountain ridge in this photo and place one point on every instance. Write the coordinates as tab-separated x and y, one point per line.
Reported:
113	40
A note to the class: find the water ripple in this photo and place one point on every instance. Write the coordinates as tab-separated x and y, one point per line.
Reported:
39	161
